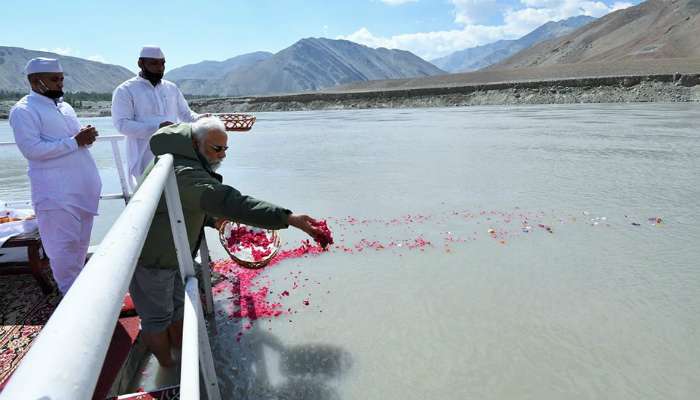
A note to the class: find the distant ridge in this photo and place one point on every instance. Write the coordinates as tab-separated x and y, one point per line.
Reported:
653	30
80	75
216	69
479	57
193	78
312	64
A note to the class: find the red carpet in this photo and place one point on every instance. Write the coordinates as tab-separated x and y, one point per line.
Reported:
25	310
23	313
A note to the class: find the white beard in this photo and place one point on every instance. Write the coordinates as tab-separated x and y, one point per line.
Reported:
213	164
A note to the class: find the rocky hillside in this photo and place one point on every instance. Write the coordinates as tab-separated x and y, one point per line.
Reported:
312	64
653	30
479	57
80	75
216	69
191	78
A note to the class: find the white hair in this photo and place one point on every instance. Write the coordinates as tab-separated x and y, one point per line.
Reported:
202	127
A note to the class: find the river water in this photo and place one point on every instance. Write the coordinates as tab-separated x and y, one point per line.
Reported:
529	252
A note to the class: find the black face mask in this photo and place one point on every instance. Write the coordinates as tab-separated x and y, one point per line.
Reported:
152	77
51	94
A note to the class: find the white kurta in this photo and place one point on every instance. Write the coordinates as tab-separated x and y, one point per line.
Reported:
62	175
138	108
66	239
65	182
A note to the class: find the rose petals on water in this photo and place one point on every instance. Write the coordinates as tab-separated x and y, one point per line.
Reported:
325	238
250	298
246	293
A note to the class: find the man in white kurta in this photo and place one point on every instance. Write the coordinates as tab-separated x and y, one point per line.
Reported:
145	103
64	180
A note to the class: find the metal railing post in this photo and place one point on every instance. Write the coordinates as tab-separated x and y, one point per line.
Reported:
120	170
204	257
206	359
177	224
189	370
184	257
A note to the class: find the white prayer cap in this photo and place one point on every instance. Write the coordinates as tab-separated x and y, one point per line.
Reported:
41	64
151	52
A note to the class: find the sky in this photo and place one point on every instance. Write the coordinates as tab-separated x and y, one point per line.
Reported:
192	31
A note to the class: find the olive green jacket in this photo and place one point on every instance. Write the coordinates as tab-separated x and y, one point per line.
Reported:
203	196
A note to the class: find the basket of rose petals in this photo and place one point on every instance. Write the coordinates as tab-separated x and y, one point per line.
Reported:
237	122
249	246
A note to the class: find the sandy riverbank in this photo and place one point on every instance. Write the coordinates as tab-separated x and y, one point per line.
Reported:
614	89
88	109
621	89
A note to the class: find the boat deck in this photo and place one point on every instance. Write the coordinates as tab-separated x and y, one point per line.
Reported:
128	367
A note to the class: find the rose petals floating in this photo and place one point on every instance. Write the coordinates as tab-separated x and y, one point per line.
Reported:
250	293
325	238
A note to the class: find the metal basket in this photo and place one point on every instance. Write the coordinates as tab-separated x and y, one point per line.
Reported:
237	122
248	263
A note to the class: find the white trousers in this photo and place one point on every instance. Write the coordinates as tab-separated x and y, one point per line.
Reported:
66	239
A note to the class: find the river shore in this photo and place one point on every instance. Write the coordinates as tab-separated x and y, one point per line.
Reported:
88	109
624	89
665	88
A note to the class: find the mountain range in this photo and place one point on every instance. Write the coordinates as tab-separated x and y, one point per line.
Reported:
307	65
652	30
216	69
479	57
657	36
80	74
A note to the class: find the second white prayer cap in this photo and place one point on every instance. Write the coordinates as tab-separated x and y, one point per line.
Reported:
151	52
41	65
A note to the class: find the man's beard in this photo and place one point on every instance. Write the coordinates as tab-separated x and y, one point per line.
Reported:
214	164
53	94
152	77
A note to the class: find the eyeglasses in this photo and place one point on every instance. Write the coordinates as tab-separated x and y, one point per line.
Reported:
217	148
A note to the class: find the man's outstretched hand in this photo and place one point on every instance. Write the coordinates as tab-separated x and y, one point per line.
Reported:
305	223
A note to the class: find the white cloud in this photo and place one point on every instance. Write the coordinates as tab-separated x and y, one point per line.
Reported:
430	45
473	16
471	12
397	2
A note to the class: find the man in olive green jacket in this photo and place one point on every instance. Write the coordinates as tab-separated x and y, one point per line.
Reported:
156	288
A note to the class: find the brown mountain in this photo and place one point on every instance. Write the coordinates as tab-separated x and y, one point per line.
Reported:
81	75
312	64
653	30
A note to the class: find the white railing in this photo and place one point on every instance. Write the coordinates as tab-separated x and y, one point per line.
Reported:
65	360
116	156
126	193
